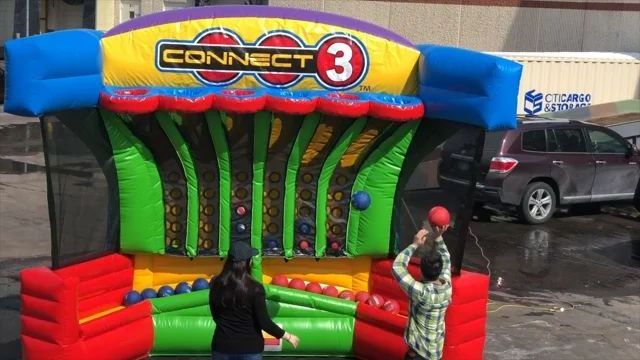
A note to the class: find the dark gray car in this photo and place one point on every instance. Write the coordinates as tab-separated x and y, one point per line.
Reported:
544	164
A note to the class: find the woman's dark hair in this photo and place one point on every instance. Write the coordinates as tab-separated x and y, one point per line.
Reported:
235	283
431	265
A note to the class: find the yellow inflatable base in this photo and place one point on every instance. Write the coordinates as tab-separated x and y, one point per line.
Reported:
153	271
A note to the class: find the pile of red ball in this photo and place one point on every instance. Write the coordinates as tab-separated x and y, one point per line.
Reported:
374	300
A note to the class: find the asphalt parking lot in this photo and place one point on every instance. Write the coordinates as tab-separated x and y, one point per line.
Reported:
569	289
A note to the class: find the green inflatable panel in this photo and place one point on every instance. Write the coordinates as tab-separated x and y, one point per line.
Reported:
311	300
274	293
261	132
168	123
219	139
181	301
180	335
369	231
140	189
293	164
183	324
273	307
325	176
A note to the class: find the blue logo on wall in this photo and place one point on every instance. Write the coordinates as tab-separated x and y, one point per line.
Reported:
535	102
532	102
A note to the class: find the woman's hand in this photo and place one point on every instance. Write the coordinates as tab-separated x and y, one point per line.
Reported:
420	237
292	339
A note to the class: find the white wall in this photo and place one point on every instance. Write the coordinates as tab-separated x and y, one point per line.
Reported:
570	80
63	16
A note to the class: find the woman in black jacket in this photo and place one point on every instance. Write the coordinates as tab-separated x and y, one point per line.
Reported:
239	309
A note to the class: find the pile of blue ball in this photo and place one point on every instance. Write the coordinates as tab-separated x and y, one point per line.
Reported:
134	297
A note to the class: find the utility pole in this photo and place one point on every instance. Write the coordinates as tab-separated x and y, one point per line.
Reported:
27	25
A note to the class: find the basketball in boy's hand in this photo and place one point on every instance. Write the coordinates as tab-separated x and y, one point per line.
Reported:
438	217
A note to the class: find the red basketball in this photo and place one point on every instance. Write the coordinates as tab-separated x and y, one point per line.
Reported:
362	296
347	295
303	245
297	284
330	291
391	306
314	287
439	216
376	300
280	280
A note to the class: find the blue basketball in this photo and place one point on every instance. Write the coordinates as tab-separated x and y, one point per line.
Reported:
165	291
304	228
361	200
148	294
272	244
200	284
183	288
132	297
241	228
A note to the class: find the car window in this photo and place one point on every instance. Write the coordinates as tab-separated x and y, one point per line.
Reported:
568	140
606	143
534	140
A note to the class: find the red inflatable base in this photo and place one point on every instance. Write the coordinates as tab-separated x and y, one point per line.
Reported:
53	302
379	334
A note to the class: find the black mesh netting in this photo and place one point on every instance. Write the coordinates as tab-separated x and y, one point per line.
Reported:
441	168
83	208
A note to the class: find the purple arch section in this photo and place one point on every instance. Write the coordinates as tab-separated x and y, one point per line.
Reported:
205	12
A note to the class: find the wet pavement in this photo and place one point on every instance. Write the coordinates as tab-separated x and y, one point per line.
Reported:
566	290
569	289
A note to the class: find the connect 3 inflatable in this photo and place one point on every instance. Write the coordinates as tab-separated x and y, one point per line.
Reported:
286	129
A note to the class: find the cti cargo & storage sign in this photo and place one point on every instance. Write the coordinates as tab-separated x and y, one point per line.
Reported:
538	102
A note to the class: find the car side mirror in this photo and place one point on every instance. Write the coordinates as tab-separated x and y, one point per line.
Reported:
631	150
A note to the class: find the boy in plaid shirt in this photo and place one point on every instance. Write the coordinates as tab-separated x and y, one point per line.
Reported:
428	298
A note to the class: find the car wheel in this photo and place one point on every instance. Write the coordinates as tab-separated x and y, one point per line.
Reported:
538	203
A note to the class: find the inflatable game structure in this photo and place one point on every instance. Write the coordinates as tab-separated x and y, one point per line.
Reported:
283	128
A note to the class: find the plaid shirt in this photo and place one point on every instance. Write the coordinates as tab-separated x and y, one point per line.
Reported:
428	303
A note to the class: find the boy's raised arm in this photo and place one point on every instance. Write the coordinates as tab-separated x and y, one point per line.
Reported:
399	268
441	248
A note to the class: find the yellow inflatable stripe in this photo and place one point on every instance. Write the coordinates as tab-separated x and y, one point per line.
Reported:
344	273
100	314
153	271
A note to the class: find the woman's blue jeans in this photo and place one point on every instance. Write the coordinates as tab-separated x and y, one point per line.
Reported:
221	356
